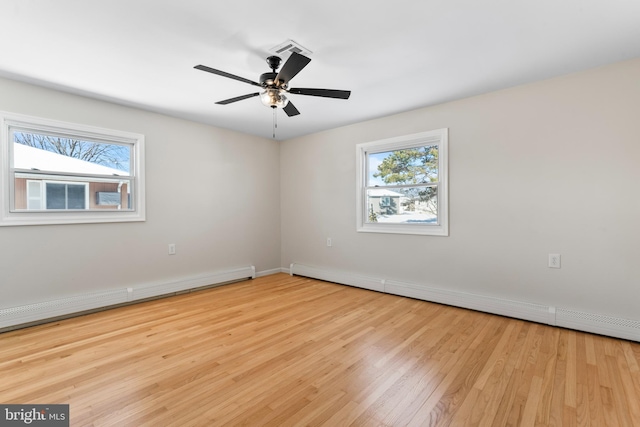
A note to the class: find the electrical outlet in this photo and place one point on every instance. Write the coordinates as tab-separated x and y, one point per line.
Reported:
329	243
554	260
172	248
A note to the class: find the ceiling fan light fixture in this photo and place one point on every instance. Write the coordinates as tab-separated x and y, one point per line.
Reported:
275	98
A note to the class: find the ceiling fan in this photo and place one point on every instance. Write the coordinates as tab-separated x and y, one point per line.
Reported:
275	86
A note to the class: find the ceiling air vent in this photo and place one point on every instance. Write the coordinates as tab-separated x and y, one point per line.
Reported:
286	48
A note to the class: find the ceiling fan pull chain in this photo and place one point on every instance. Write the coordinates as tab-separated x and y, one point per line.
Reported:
275	122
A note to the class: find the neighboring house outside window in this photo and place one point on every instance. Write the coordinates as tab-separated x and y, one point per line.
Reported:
57	173
384	202
402	184
56	195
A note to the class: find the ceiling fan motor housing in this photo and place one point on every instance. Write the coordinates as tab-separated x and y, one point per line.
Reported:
268	79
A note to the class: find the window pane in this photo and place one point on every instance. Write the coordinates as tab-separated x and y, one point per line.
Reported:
416	165
44	157
56	196
403	205
72	156
75	196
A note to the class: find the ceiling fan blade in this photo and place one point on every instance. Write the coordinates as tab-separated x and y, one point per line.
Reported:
326	93
237	98
225	74
291	110
293	66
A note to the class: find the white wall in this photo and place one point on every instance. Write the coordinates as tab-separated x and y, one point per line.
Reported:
214	193
550	167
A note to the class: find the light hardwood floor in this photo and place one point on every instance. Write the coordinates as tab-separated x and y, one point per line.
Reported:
291	351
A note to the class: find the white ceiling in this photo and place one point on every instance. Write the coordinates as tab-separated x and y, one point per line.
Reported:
393	55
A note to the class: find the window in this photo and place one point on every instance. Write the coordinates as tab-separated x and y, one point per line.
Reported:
57	173
402	185
56	195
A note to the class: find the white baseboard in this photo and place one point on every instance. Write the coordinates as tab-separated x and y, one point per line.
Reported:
337	277
599	324
43	310
157	289
551	315
29	313
272	271
521	310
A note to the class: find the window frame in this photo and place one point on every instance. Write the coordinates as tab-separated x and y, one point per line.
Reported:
439	137
13	217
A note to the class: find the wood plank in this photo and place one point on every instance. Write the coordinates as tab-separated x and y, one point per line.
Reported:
582	382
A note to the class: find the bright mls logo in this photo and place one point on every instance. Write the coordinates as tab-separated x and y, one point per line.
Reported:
34	415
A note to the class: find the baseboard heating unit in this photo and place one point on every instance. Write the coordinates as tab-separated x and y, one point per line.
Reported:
551	315
36	312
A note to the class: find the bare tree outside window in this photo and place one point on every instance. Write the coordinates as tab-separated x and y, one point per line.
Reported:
110	155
